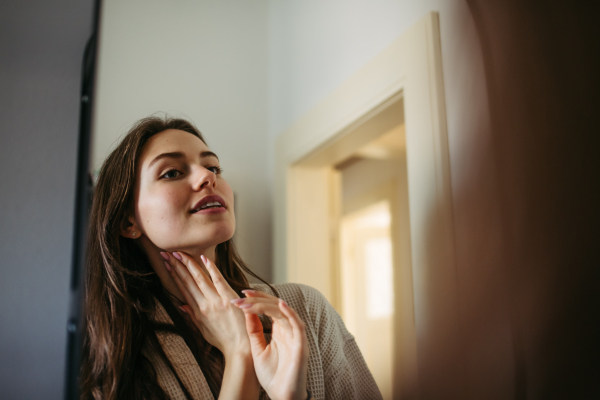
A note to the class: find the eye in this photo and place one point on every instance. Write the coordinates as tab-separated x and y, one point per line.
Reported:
170	174
215	169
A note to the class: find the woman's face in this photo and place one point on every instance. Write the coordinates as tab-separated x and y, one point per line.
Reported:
182	203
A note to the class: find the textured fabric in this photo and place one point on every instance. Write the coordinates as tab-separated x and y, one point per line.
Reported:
336	368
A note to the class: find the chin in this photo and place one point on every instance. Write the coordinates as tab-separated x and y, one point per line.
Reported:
216	238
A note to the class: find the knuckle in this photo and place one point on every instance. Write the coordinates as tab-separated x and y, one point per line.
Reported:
225	304
197	277
203	309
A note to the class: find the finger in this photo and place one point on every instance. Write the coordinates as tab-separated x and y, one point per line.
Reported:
196	273
253	324
263	306
192	299
258	293
186	283
254	328
180	271
298	326
221	285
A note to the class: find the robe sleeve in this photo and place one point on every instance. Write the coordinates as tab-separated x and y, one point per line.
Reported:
342	373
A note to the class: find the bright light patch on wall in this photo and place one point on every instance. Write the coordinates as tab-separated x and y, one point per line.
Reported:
378	271
377	216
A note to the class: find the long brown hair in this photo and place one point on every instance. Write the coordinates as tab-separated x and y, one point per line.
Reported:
121	286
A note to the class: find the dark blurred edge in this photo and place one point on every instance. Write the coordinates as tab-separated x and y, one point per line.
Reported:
83	194
542	66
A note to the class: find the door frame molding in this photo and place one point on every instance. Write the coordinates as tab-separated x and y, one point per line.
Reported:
410	69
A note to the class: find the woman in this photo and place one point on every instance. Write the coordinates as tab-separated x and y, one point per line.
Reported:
169	311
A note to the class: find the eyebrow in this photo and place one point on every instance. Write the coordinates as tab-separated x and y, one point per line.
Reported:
178	155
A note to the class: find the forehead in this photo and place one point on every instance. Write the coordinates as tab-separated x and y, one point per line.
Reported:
172	140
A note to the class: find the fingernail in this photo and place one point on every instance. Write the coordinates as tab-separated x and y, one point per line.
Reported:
164	255
245	306
168	267
177	256
237	301
283	302
248	291
182	309
203	259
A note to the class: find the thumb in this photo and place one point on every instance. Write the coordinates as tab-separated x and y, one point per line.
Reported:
254	328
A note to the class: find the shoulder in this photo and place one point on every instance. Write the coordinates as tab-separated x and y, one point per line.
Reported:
296	294
311	305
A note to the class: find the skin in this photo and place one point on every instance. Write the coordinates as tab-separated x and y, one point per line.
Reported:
180	246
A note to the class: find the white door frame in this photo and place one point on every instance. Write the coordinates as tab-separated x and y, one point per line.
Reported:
411	69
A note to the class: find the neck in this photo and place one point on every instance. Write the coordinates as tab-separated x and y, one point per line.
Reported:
158	264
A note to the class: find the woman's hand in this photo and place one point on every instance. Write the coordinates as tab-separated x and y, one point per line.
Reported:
209	304
222	325
281	366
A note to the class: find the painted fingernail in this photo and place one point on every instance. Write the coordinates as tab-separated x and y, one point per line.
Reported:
237	301
203	259
177	256
245	306
182	309
168	267
164	255
248	291
283	302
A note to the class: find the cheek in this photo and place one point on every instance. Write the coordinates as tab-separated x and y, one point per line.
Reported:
228	194
160	208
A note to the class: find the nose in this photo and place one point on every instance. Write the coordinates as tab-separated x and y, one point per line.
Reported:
203	178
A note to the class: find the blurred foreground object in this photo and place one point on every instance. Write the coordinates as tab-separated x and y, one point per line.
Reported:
537	242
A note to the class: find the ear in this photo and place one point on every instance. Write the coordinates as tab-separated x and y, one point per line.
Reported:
130	229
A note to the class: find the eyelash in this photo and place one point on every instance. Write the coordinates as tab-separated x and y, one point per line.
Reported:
163	176
217	170
214	169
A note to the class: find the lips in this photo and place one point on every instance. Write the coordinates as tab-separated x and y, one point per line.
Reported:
209	202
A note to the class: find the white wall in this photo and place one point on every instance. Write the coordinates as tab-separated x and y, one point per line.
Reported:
201	60
316	45
244	71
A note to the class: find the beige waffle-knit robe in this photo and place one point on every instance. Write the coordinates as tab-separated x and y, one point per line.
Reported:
336	368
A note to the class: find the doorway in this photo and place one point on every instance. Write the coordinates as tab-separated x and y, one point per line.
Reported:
399	89
350	203
372	181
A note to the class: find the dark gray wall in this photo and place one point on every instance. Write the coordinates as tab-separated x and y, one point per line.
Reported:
41	48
